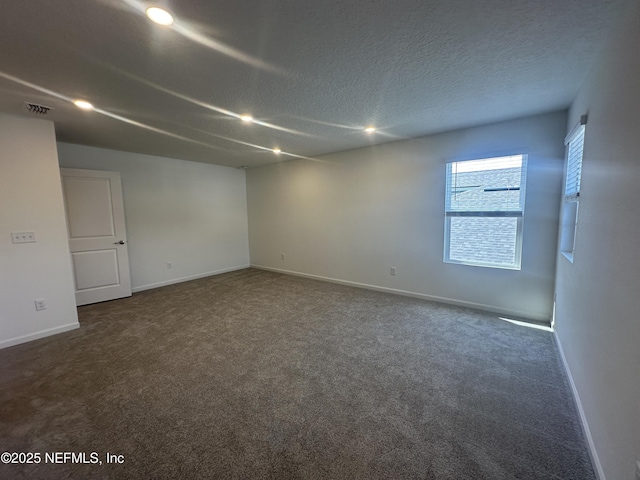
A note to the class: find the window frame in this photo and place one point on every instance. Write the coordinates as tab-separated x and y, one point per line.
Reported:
488	214
571	200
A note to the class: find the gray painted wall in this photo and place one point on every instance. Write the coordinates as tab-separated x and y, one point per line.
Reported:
191	214
352	215
598	309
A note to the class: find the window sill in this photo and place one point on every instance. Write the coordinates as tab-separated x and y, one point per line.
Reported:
568	256
483	265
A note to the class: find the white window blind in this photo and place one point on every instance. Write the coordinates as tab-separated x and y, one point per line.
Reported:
575	149
575	143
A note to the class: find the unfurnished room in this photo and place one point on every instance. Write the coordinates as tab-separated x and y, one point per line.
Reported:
320	240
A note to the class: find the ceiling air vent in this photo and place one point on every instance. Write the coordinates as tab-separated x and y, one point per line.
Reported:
36	108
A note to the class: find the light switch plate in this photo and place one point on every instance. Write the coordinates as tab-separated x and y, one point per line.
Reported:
23	237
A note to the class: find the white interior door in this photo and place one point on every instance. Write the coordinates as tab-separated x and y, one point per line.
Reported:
97	237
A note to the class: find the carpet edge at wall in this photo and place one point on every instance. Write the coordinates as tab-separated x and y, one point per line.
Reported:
406	293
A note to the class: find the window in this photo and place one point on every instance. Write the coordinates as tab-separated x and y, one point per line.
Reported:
569	217
484	209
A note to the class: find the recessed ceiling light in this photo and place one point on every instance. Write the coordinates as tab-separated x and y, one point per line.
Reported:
276	150
370	129
246	118
83	104
159	16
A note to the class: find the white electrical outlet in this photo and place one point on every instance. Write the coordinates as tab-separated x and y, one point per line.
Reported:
23	237
40	304
169	265
282	256
392	271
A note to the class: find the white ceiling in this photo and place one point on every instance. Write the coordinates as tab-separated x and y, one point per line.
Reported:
319	71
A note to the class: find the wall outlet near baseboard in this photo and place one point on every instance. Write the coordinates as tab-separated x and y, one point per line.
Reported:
40	304
282	256
169	265
392	271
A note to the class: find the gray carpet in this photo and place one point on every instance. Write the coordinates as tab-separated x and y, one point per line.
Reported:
257	375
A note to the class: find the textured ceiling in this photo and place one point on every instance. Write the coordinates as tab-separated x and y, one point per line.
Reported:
315	73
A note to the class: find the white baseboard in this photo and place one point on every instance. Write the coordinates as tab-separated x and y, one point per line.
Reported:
35	336
186	279
597	466
449	301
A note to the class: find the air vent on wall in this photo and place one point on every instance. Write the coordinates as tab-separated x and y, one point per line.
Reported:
36	108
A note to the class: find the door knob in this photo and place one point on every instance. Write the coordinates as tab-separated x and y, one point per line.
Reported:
121	242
